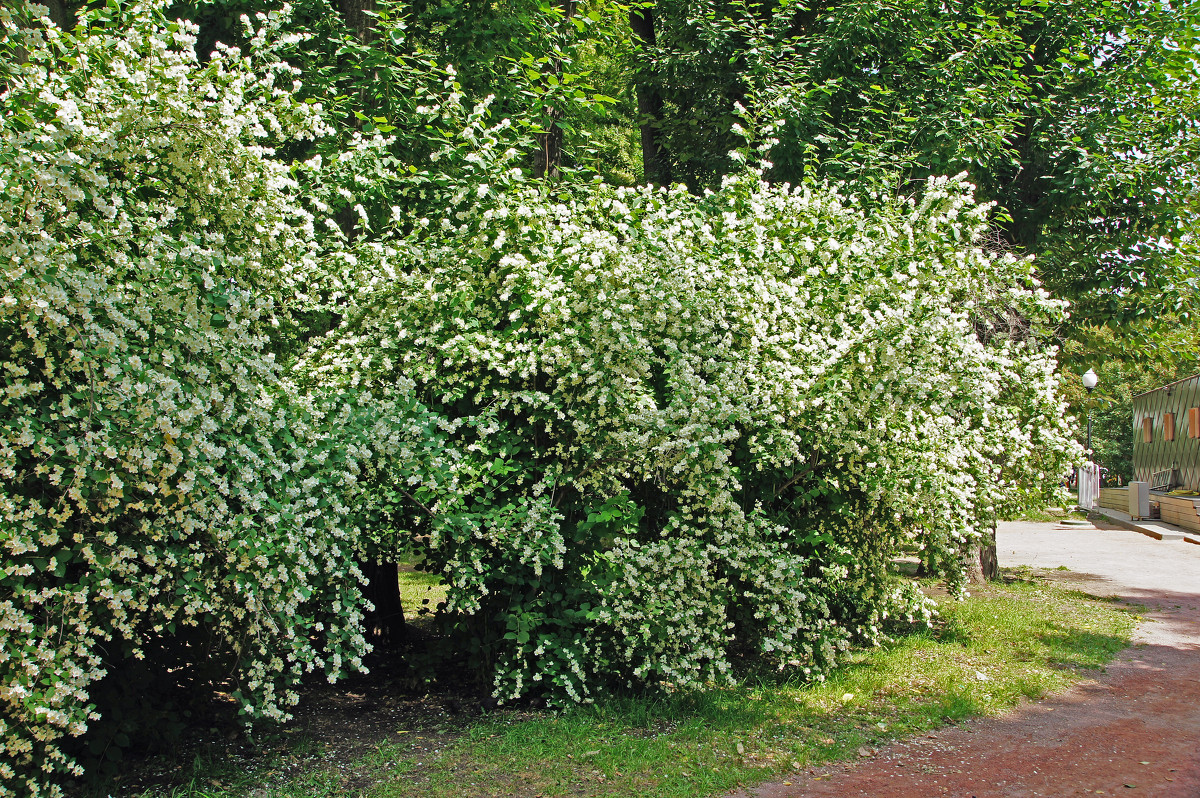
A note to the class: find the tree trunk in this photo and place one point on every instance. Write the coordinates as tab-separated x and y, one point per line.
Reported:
656	167
354	14
982	561
547	161
384	625
59	13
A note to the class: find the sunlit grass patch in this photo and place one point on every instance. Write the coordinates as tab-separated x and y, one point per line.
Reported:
987	653
420	592
1005	643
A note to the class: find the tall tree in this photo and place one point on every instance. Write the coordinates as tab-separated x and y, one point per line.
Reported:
656	166
547	158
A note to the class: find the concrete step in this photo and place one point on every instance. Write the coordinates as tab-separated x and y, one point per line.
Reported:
1155	529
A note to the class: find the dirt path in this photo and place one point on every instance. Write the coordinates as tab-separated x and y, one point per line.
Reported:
1134	731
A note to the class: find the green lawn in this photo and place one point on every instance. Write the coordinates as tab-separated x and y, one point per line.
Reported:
1005	643
419	592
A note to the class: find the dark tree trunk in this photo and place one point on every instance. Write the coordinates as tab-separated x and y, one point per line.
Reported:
60	13
384	625
354	14
547	161
656	167
989	557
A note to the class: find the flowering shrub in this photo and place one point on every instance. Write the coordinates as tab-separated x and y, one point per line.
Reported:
644	431
158	474
691	425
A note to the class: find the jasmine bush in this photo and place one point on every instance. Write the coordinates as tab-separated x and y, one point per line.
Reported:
639	432
158	471
693	425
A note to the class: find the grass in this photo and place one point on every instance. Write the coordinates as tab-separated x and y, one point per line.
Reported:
419	591
1005	643
1044	515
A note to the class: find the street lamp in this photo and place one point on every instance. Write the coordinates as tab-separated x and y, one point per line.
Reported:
1089	484
1089	382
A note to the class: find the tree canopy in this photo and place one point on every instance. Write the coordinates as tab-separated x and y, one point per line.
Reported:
1078	119
654	331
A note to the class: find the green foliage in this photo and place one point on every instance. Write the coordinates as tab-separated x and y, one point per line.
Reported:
603	136
168	494
1076	118
691	424
1172	356
254	333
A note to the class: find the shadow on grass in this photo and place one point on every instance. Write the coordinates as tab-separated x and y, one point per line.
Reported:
1079	648
1028	638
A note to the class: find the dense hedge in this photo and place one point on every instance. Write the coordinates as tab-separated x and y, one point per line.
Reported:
158	473
696	425
641	433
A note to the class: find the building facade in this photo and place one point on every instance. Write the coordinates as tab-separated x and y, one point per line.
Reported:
1166	436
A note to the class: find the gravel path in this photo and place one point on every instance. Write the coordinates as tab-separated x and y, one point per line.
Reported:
1134	731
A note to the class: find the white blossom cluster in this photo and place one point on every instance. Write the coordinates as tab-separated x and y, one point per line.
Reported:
784	385
156	470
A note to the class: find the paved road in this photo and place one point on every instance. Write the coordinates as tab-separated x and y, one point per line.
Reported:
1135	731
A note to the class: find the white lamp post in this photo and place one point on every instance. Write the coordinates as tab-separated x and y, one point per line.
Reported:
1089	484
1089	382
